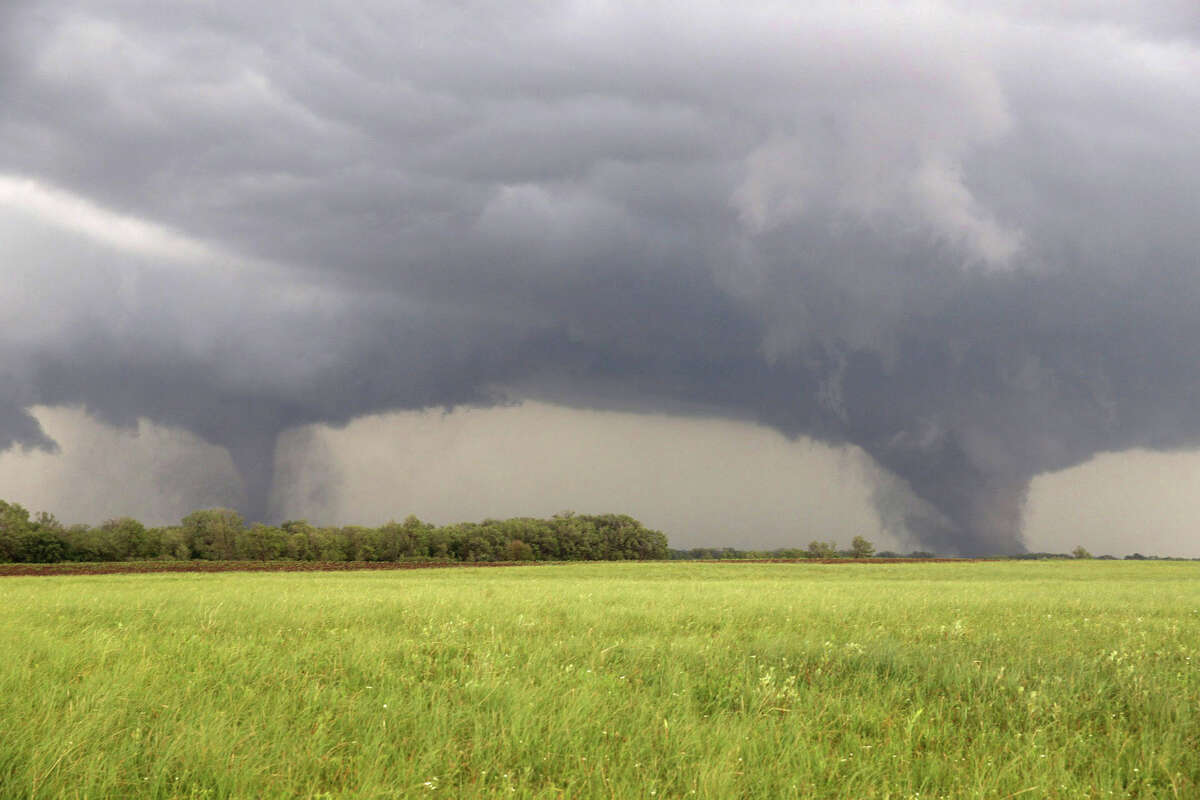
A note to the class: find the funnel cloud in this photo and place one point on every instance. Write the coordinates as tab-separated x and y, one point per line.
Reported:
958	236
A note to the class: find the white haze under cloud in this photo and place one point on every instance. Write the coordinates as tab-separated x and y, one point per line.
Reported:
705	482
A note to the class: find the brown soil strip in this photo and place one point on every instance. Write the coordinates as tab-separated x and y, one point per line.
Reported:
145	567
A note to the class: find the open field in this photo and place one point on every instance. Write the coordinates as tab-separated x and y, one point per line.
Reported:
989	680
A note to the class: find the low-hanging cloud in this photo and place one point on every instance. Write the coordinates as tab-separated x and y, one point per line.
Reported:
961	239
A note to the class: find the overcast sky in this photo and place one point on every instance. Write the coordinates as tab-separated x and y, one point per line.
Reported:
916	261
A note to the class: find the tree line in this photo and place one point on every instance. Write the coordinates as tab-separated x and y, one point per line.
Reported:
860	547
221	535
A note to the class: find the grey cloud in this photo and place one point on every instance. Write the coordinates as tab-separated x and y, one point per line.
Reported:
156	474
960	239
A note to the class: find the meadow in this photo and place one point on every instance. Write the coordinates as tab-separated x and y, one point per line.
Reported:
608	680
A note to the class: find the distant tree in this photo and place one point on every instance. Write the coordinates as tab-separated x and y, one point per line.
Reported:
262	542
220	534
124	538
622	537
436	543
1081	552
37	540
48	522
399	541
43	547
15	528
300	540
362	543
172	543
212	533
332	545
818	549
470	542
516	550
861	548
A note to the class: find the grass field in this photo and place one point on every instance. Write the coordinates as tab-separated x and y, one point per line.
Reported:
989	680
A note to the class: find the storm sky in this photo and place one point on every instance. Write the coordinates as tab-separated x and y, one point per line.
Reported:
944	247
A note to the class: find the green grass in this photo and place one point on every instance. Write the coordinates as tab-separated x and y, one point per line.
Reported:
984	680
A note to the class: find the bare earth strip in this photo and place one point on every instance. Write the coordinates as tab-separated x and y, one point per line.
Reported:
129	567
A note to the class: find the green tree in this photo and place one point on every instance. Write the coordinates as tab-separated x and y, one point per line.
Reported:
818	549
301	540
330	544
38	540
261	543
516	550
124	538
212	533
362	543
14	529
172	543
861	548
1081	552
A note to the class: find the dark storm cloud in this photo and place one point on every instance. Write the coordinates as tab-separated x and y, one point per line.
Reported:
960	238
